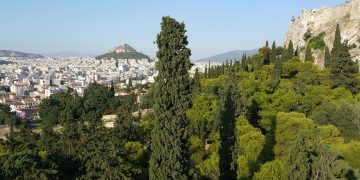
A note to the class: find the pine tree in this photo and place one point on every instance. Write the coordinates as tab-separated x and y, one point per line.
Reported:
308	54
273	53
343	69
117	63
170	147
327	59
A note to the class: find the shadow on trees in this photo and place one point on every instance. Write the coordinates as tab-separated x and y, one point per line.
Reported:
267	153
227	163
253	115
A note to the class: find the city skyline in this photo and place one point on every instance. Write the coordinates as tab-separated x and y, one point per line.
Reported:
96	27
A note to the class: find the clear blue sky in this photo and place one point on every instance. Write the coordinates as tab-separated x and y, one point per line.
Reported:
95	26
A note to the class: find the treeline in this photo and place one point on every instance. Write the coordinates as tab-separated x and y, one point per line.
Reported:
268	116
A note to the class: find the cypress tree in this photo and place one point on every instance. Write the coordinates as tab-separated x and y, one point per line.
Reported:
112	88
169	139
273	53
337	41
209	64
206	71
327	59
276	75
283	56
117	63
266	50
296	53
223	68
308	54
196	81
342	68
298	162
290	51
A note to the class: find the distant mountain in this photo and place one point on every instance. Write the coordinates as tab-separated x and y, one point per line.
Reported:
237	54
9	53
69	54
123	52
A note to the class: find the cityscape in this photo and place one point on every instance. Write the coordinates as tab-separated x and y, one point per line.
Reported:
180	90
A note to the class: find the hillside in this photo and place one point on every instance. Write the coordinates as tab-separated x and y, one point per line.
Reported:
237	54
9	53
123	52
317	27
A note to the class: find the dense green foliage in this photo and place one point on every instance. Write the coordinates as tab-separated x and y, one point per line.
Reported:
74	144
169	140
343	69
5	116
327	58
318	42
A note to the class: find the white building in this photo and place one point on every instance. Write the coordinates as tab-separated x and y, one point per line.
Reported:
18	89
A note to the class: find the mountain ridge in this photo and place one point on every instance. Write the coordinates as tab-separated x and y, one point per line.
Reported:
236	54
18	54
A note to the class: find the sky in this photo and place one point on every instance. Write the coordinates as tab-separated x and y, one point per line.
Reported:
95	26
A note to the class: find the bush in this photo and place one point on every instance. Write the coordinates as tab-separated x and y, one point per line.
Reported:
318	42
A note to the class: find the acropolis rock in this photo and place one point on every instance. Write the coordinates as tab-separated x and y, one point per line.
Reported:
325	19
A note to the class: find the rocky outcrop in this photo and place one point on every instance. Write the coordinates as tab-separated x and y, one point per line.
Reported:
123	52
324	20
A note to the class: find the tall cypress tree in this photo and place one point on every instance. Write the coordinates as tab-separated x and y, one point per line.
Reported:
299	160
290	51
266	51
206	71
169	139
117	63
273	53
308	54
327	59
296	53
342	68
196	81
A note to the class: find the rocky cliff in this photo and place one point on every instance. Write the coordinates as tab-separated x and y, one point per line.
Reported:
319	25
